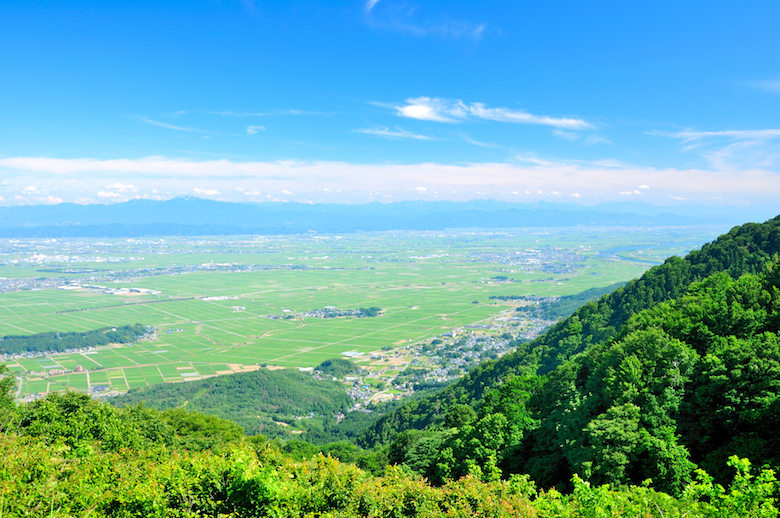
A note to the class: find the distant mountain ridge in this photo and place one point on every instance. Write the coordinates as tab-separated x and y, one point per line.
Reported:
196	216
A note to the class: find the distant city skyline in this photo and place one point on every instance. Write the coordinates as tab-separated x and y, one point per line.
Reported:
389	100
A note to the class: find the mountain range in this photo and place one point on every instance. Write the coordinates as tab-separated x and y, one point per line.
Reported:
196	216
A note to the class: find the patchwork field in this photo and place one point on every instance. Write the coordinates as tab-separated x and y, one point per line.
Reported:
257	290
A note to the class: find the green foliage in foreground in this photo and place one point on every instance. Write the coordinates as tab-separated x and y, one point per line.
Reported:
255	400
59	342
70	456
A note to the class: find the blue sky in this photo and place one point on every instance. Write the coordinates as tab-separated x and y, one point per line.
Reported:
246	100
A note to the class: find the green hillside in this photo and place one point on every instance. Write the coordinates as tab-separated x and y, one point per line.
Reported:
262	401
68	455
745	249
674	370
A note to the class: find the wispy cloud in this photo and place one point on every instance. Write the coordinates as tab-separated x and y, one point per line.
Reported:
474	142
592	140
388	133
691	135
772	86
168	126
446	110
251	130
732	149
410	19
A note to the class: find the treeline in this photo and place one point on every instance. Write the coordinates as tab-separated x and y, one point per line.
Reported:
622	390
68	455
59	341
258	401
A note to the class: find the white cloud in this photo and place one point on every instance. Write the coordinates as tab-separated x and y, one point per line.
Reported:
288	193
643	186
73	177
111	195
370	5
397	133
122	187
31	189
251	130
576	195
2	200
205	192
445	110
432	109
50	200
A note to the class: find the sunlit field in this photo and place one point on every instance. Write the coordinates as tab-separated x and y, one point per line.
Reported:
426	283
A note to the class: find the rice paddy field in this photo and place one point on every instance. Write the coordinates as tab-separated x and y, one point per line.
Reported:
224	305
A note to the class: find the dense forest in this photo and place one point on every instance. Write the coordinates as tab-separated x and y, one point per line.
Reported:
676	371
68	455
263	401
58	342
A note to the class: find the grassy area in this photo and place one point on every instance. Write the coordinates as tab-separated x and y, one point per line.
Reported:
426	283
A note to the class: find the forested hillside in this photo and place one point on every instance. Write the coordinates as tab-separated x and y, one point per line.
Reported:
68	455
677	371
745	249
262	401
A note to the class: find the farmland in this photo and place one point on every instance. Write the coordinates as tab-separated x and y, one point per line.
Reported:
224	305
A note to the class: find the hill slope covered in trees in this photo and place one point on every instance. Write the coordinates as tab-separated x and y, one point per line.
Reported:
68	455
676	369
258	401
